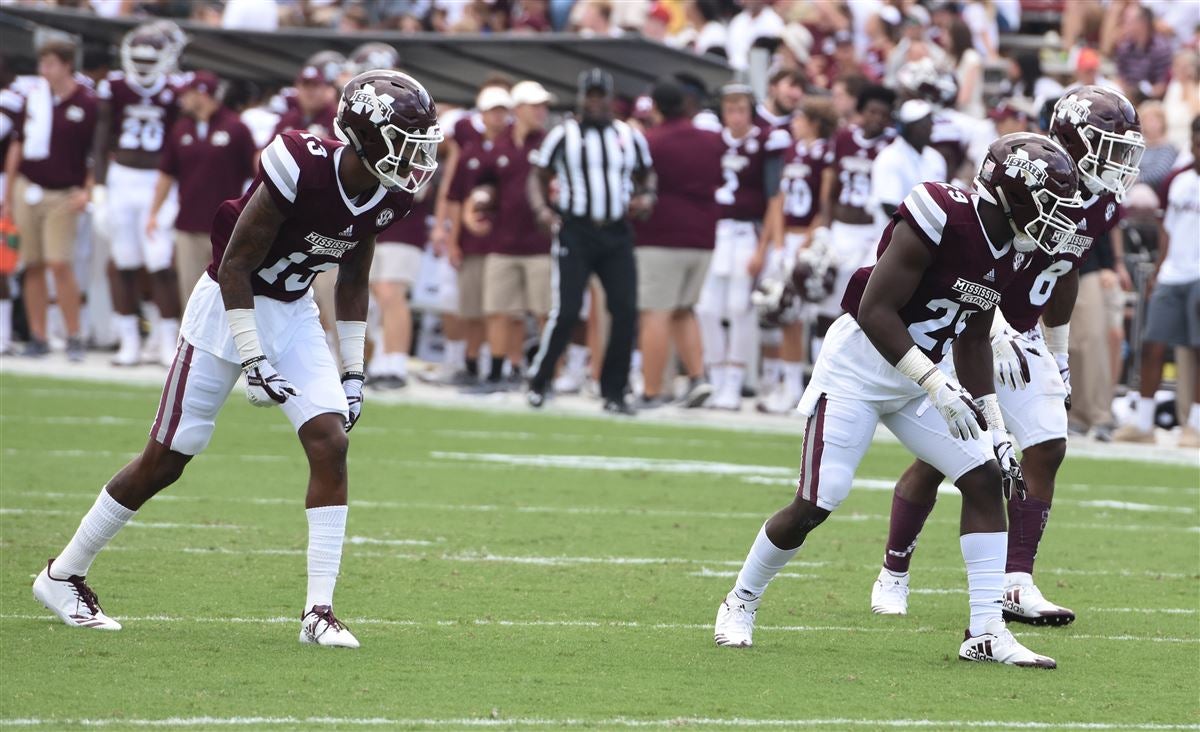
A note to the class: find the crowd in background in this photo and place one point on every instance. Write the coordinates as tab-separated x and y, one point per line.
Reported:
467	282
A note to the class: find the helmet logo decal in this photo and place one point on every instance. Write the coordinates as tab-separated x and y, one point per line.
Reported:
365	99
1073	109
1018	163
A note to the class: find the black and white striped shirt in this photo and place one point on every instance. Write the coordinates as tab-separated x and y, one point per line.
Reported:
595	167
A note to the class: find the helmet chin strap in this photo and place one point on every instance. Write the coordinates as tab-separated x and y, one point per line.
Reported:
1022	242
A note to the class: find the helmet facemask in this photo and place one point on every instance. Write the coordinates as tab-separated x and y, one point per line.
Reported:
410	158
1112	162
1047	216
145	60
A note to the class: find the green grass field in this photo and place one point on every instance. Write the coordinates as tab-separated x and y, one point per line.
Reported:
528	570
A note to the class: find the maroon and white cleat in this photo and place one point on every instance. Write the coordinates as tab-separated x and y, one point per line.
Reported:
71	600
319	627
997	645
1024	603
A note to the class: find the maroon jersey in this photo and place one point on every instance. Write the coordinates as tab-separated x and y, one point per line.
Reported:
472	162
967	274
319	124
412	229
467	130
689	164
322	226
803	165
210	162
851	157
515	230
743	196
11	105
141	116
73	123
764	117
1026	297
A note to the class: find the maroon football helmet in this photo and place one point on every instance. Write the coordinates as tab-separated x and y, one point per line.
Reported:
150	51
1033	179
1101	131
391	122
326	66
370	56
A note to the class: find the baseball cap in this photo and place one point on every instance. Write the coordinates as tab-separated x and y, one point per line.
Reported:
493	97
914	110
530	92
310	75
205	82
595	79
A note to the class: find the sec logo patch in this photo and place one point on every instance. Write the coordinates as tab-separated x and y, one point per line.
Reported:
385	217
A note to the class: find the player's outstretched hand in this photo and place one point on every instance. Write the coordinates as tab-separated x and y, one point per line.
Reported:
1064	370
352	384
964	419
1012	368
1010	468
264	386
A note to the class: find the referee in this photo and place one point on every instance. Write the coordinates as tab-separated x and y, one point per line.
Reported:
603	171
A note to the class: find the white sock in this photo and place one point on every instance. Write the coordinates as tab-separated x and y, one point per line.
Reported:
793	377
985	556
455	355
127	331
762	564
577	358
772	369
168	329
398	364
99	525
6	308
1194	417
326	532
735	376
1144	416
716	376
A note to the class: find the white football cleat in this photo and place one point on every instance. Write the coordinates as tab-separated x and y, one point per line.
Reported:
889	595
735	622
1024	603
318	626
129	354
72	601
997	645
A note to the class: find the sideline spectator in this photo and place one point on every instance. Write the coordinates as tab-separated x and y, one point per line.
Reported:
1143	55
1159	158
757	20
211	154
1173	314
1182	99
968	68
674	246
908	160
49	186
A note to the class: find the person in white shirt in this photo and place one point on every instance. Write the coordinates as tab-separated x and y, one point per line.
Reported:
757	20
254	15
1173	313
909	160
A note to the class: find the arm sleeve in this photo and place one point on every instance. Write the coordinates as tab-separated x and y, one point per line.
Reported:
925	213
281	173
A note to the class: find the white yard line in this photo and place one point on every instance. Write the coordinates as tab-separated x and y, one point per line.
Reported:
609	624
614	722
134	524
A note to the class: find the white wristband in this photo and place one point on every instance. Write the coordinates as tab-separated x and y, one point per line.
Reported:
352	337
1057	338
245	333
917	366
990	406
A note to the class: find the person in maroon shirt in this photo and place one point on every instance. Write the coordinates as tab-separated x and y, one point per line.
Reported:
516	269
211	155
315	104
49	187
467	245
396	267
674	245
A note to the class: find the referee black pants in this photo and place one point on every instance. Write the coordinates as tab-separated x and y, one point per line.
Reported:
584	248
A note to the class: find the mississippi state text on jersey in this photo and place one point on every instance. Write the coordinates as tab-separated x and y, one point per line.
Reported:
966	276
322	226
851	155
743	166
1028	293
141	116
803	165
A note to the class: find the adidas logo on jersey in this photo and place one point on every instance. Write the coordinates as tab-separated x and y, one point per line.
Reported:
348	231
990	276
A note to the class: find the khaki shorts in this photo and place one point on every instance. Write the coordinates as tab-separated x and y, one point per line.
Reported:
514	285
470	287
670	278
396	263
47	224
193	254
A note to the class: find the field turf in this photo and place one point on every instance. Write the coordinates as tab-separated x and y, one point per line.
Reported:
536	570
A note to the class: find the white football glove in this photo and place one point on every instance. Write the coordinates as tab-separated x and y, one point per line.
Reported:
264	386
1064	370
1012	368
961	414
1010	469
352	384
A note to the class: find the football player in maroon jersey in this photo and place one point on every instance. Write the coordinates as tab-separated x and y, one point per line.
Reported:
944	259
138	106
1099	128
316	205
